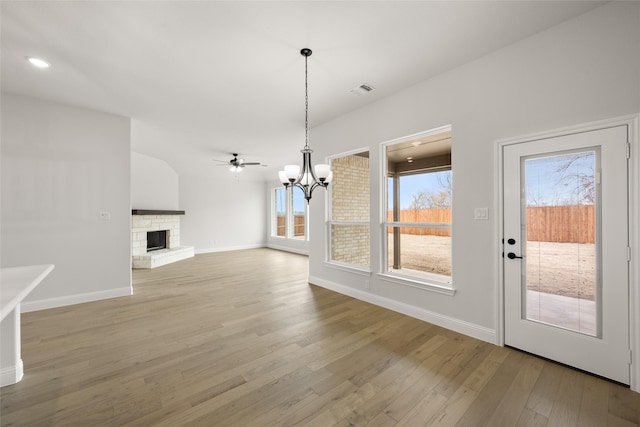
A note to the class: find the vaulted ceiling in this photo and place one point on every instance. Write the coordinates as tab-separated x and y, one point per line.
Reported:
204	79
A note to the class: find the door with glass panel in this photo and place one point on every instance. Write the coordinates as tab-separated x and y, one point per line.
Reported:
566	250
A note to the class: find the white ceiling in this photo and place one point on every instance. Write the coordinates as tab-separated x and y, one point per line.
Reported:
204	79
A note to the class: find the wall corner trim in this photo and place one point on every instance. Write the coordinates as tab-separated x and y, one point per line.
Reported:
457	325
11	374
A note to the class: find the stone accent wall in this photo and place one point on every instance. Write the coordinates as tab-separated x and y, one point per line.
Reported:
140	224
350	189
350	202
350	244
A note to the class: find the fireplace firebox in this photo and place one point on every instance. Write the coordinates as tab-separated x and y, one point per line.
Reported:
156	240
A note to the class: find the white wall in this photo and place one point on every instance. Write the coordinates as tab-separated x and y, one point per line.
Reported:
154	184
61	167
584	70
222	213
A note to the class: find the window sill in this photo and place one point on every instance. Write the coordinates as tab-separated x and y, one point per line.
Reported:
292	239
349	268
440	288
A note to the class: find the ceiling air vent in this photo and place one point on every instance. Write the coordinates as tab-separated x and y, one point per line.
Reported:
361	90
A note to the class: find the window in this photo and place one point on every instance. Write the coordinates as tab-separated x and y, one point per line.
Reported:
417	227
289	213
280	212
299	214
349	210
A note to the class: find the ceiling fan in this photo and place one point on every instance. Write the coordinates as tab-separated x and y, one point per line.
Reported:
236	164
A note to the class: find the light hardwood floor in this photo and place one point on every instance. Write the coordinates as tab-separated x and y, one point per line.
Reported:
240	339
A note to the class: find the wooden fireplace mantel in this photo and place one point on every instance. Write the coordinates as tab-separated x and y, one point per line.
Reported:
155	212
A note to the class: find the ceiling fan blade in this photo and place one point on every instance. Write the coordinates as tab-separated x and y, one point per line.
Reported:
251	163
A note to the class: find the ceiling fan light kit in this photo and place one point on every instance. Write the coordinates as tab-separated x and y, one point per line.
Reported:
236	164
308	178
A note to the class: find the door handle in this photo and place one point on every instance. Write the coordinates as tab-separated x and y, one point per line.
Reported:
511	255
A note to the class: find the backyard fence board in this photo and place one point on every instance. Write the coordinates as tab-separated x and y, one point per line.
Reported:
298	225
437	216
562	224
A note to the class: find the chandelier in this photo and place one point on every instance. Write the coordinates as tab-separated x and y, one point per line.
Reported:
307	178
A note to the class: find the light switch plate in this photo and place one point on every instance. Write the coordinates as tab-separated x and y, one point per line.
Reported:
481	213
105	216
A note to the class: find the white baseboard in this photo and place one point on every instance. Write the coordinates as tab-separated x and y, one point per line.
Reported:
11	374
229	248
288	249
43	304
457	325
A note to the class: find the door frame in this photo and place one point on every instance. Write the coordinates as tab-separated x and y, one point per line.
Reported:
632	121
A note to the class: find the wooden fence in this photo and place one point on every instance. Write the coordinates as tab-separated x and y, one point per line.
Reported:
298	225
438	216
562	224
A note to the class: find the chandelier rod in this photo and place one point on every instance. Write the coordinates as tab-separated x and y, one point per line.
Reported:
306	53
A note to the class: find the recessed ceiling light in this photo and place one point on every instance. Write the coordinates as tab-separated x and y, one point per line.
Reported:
37	62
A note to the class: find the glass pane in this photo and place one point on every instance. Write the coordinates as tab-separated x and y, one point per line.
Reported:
561	268
280	211
299	218
423	197
426	197
416	251
350	244
350	188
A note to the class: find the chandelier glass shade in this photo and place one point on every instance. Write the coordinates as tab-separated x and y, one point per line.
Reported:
306	178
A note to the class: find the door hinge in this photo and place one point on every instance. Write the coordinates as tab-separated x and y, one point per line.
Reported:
630	358
628	253
628	150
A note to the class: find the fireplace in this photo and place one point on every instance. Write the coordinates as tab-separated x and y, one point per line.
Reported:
156	240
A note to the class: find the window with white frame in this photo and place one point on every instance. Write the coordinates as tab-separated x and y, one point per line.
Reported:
298	217
417	227
349	241
289	213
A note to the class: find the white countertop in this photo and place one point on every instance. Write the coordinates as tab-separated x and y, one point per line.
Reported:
17	282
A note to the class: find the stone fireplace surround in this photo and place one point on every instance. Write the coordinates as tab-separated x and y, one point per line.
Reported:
155	220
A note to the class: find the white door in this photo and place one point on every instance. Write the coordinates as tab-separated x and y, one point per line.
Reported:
566	282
